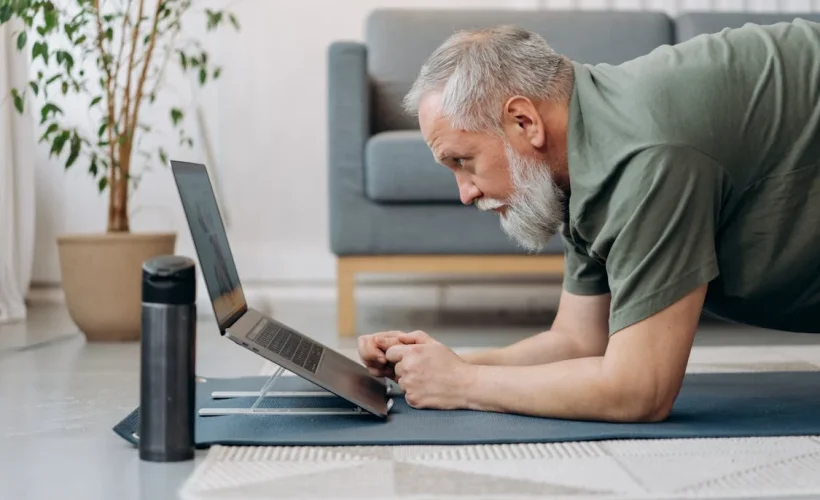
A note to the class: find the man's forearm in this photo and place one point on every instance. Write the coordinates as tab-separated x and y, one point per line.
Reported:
545	347
579	389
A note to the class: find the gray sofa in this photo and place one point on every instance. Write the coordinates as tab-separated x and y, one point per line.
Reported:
392	208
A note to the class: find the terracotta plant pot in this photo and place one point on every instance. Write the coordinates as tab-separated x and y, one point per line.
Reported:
102	280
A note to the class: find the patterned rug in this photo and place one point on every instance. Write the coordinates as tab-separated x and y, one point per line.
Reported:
623	469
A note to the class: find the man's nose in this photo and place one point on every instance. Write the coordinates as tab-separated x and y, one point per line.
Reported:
468	192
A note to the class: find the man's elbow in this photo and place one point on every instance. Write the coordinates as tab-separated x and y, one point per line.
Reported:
642	406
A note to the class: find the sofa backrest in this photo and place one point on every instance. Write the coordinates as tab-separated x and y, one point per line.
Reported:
398	42
692	24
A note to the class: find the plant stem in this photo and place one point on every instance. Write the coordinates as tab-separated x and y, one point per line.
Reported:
115	221
141	83
126	107
125	19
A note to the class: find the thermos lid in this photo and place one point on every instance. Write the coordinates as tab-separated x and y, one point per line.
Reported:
169	279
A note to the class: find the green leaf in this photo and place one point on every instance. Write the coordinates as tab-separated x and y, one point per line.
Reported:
47	109
34	87
65	88
51	19
183	60
63	56
53	79
74	151
93	167
103	183
102	129
203	75
5	13
59	143
214	18
51	129
80	40
40	49
217	73
95	101
234	21
163	157
176	115
18	100
21	40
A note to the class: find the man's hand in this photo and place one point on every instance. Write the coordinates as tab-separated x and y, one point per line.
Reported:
430	374
372	349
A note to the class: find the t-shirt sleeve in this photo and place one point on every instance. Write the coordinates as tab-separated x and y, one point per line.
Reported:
583	275
660	231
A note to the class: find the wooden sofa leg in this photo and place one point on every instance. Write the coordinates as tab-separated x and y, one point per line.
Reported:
345	299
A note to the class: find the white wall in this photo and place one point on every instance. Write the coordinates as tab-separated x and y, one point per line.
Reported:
266	118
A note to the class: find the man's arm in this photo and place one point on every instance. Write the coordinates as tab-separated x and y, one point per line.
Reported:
580	330
637	379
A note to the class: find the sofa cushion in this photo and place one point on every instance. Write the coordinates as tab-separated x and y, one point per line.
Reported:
398	41
693	24
399	167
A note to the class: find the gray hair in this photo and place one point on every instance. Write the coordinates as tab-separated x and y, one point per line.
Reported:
478	70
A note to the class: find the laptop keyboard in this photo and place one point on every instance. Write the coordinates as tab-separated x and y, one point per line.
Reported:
289	345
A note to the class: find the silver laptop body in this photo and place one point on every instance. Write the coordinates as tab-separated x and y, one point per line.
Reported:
253	330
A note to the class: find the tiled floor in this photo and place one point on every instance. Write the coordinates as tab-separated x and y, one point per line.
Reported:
60	396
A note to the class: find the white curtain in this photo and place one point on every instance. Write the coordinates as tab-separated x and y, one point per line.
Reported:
17	143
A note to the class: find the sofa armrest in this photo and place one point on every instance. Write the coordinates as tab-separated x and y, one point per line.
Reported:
348	109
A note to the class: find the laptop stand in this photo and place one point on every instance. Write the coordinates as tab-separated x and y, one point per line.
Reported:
267	393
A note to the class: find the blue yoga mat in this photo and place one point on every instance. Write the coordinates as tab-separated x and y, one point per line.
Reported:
709	405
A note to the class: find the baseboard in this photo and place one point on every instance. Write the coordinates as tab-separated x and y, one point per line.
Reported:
451	295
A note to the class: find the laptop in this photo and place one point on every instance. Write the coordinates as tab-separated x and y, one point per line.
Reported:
253	330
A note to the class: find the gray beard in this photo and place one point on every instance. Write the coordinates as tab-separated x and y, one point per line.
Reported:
536	209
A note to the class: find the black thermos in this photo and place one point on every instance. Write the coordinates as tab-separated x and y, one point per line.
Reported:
167	368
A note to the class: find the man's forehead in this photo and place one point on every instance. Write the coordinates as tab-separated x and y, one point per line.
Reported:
431	120
439	135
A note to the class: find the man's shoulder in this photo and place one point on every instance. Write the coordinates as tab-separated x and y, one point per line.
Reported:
608	197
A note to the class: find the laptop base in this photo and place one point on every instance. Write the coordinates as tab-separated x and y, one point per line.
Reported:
267	393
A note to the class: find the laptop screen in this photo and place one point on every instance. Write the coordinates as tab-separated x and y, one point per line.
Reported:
211	241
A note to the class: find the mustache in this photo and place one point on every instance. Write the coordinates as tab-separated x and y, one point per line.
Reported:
486	204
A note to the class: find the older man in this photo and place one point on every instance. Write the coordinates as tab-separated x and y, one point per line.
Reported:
685	179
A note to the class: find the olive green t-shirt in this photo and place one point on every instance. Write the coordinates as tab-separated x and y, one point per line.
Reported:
700	163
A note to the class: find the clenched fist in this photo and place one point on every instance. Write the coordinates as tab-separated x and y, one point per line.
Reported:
372	349
430	374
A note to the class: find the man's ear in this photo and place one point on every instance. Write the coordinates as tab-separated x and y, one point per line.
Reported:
523	123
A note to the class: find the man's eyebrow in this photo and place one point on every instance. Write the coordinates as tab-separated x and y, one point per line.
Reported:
446	155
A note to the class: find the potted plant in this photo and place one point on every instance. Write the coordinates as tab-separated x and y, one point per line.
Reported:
111	58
